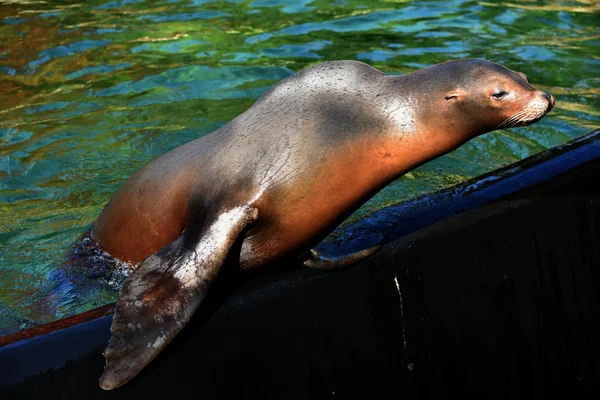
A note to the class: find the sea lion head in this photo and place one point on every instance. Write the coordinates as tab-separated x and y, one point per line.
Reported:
476	96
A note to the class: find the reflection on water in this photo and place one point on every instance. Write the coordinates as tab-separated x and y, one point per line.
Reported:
90	91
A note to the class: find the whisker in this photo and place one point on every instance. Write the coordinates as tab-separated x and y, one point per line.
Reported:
522	117
509	122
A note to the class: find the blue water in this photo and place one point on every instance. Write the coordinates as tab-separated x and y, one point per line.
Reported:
91	91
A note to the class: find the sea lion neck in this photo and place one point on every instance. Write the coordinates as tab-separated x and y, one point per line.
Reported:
438	103
424	125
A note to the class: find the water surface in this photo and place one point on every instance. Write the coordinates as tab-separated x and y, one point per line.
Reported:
90	91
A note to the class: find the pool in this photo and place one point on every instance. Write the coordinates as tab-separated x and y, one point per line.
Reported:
91	91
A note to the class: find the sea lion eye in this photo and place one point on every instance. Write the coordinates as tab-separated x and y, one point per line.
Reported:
499	95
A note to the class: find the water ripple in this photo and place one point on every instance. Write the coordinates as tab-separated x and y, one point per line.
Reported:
91	91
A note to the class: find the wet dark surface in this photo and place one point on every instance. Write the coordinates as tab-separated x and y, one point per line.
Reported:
505	304
272	340
502	301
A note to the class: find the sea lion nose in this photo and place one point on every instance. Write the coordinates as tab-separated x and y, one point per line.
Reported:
550	99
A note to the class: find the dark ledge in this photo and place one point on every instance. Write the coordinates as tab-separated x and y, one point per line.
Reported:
490	289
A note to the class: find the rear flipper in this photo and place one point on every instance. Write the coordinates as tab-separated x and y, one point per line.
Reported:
160	296
318	261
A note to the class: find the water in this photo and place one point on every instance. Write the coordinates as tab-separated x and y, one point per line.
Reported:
91	91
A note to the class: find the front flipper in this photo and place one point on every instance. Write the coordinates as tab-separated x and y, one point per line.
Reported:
318	261
160	296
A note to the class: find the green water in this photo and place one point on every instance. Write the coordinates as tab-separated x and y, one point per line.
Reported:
91	91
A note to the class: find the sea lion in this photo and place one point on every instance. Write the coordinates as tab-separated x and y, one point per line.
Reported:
278	178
